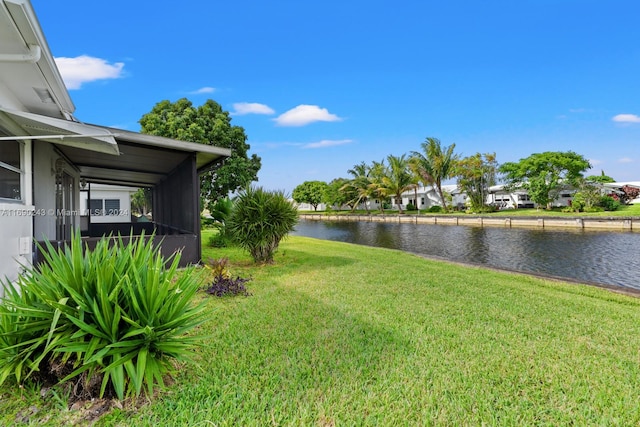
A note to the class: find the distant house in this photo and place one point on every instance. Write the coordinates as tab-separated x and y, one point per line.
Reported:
428	197
103	204
46	154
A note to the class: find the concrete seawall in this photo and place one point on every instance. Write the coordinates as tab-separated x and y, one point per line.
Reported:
585	223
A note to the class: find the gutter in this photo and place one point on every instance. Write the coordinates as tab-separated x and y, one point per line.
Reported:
32	57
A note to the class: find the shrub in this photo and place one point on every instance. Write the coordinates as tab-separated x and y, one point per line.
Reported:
219	240
608	203
114	316
435	209
260	220
411	207
226	286
219	267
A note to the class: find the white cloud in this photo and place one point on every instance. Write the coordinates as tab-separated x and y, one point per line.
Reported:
328	143
206	89
83	69
625	160
595	162
626	118
242	108
305	114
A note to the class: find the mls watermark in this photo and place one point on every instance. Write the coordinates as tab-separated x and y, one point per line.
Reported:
38	212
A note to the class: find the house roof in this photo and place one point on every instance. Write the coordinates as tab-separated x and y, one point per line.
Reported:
29	78
35	104
144	160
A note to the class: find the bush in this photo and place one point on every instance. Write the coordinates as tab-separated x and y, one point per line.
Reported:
608	203
219	240
260	220
223	284
411	207
435	209
110	319
226	286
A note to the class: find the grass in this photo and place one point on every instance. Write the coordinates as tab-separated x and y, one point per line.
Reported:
338	334
623	211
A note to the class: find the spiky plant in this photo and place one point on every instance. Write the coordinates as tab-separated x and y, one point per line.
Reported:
260	220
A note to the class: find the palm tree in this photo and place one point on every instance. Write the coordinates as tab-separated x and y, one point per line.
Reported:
398	178
376	187
435	164
360	183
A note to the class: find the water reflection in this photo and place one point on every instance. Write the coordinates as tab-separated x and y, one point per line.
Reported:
602	257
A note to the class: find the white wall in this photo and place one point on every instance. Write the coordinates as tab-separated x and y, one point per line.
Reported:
44	190
100	191
16	225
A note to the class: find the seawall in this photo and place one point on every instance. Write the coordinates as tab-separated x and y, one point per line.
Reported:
585	223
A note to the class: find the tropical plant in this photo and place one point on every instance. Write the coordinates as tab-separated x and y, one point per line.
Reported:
434	165
220	212
397	179
260	220
475	175
112	318
141	201
544	174
359	187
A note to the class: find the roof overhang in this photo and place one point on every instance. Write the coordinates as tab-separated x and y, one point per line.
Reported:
63	132
144	160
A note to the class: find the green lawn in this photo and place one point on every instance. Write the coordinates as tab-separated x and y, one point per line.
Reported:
337	334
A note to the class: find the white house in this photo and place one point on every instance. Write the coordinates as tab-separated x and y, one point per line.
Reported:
428	197
45	154
101	203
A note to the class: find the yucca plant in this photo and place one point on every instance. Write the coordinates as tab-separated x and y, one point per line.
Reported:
119	312
260	220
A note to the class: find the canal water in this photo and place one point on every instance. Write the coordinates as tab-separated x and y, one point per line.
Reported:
604	257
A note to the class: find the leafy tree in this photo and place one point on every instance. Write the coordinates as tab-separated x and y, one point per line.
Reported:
397	178
544	174
260	220
311	192
434	164
602	178
338	193
207	124
141	201
475	175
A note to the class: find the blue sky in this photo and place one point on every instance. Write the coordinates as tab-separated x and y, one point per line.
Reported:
322	86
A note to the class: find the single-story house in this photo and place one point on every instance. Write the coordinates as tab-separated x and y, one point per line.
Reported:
104	204
428	197
46	155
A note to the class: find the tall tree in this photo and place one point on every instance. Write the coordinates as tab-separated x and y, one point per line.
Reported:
475	175
359	187
544	174
397	178
434	165
311	192
339	193
207	124
376	187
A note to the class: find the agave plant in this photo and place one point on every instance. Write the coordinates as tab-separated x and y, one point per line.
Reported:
119	312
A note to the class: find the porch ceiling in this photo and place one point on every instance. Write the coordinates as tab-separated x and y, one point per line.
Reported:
144	160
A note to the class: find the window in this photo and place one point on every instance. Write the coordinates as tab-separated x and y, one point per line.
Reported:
422	200
10	172
112	206
95	207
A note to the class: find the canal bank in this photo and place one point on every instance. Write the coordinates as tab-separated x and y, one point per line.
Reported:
576	223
